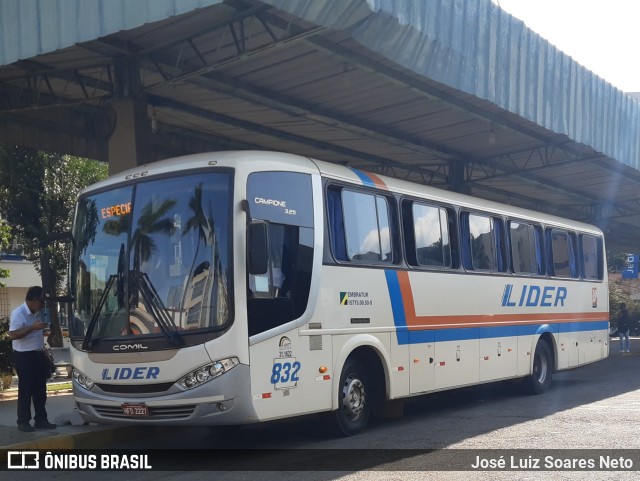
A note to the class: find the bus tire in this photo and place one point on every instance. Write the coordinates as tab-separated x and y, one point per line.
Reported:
540	379
354	398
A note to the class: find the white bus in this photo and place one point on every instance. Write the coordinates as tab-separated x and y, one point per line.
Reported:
237	287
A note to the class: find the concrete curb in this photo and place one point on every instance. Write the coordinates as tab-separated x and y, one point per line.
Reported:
12	394
95	438
71	432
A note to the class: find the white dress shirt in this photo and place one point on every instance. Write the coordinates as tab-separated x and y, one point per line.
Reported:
22	317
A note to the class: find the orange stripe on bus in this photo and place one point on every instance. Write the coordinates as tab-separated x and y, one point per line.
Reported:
415	322
378	182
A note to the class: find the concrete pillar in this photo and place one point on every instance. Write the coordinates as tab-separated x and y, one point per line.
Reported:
457	179
129	142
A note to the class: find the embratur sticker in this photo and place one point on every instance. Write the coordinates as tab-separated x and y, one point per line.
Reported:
344	298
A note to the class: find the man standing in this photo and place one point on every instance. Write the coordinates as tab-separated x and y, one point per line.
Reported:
25	332
624	326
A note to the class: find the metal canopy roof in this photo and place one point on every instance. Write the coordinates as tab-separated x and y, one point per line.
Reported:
452	93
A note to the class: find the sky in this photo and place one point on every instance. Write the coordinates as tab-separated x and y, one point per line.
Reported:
601	35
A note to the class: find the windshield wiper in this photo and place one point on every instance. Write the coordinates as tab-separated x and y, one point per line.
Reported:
96	313
118	279
157	308
138	282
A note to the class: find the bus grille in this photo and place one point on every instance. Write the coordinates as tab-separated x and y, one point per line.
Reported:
135	388
161	412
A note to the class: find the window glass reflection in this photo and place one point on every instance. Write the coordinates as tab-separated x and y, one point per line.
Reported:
366	227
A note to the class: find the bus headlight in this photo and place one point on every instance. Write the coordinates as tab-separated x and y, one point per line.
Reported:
82	379
207	373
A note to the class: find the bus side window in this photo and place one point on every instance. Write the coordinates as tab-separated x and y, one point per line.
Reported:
526	248
367	233
591	257
336	224
479	247
562	253
427	235
361	226
499	242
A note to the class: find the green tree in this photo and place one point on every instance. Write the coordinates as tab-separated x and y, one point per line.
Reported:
38	192
5	235
616	261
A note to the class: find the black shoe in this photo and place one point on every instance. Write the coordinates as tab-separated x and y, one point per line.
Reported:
45	425
25	428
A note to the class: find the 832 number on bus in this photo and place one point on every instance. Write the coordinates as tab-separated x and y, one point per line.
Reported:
284	374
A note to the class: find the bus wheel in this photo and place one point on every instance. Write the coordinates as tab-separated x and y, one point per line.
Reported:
540	378
354	402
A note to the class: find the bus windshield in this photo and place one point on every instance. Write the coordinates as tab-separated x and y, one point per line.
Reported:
152	261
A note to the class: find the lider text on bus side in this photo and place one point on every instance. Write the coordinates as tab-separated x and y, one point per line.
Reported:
534	296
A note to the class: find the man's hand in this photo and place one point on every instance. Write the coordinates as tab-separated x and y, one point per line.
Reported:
20	333
39	326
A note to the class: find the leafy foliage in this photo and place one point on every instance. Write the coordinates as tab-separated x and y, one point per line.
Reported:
5	234
616	261
5	347
37	196
619	293
38	192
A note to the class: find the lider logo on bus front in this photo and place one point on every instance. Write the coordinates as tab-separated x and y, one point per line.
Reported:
136	373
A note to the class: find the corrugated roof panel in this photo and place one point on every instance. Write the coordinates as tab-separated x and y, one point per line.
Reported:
334	14
32	27
469	45
476	47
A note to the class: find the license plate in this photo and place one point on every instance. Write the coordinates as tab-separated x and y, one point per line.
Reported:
135	409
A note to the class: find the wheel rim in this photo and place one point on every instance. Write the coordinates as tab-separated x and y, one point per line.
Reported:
541	369
353	397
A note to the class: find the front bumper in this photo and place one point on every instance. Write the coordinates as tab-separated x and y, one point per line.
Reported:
223	400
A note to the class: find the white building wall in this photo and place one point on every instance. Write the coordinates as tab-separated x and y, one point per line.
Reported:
22	275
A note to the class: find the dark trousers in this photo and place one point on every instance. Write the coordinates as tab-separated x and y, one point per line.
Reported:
31	368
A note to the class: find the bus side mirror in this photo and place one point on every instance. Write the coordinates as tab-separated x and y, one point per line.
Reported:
257	249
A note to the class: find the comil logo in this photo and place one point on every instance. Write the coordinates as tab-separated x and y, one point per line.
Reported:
23	460
129	347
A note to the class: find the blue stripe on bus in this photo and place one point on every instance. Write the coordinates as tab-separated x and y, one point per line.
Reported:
397	306
405	336
366	180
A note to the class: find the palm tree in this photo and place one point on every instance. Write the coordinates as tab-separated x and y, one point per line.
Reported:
150	222
204	226
198	220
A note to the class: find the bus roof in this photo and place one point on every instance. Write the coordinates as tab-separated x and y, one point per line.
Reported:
347	174
268	160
